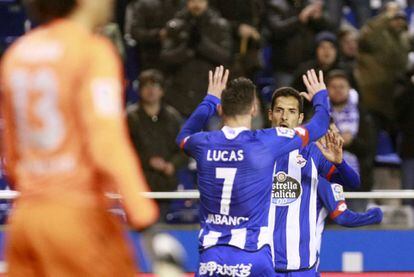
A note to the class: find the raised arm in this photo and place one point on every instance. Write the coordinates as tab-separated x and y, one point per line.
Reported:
318	95
207	108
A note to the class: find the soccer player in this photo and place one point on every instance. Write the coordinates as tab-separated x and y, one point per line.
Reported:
235	168
331	201
293	211
65	142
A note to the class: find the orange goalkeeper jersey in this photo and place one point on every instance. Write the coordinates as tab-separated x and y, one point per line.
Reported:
64	126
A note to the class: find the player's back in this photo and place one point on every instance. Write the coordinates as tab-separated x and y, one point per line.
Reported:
43	77
234	172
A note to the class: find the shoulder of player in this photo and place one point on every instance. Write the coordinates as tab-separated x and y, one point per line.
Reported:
101	46
275	132
18	44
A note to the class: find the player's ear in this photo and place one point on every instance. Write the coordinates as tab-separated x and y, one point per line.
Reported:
254	109
301	117
270	115
220	110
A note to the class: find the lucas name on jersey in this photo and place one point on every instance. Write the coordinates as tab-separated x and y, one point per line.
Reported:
221	219
225	155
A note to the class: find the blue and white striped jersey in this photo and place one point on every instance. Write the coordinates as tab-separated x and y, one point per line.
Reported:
234	172
293	210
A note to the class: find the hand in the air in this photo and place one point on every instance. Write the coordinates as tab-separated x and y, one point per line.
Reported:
313	84
217	81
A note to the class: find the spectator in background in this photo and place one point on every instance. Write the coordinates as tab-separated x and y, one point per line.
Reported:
383	56
348	45
113	33
290	27
326	59
404	101
355	126
361	9
197	40
153	127
244	17
145	23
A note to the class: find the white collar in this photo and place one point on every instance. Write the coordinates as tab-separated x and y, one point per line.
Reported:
232	133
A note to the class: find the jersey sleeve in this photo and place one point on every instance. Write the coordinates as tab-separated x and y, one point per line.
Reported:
8	130
282	140
190	145
105	132
197	121
332	197
337	173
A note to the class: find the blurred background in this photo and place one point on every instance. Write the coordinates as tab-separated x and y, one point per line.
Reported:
364	47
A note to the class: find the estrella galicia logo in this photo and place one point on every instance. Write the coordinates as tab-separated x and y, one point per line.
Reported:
285	189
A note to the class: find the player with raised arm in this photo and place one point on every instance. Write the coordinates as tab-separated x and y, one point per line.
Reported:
65	142
235	168
293	211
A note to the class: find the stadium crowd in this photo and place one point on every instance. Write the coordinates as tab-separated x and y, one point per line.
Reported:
363	48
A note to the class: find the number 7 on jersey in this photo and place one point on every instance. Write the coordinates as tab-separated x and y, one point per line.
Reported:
228	174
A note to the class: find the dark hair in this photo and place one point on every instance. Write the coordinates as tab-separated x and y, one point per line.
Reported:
337	73
287	92
42	11
238	97
152	76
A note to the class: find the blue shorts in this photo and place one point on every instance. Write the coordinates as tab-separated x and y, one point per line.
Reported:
224	260
303	273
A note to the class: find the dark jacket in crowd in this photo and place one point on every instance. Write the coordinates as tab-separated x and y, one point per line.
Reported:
247	12
298	84
364	147
144	21
194	45
292	42
404	103
155	136
383	57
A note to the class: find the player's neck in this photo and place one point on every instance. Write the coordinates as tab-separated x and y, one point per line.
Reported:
83	20
238	121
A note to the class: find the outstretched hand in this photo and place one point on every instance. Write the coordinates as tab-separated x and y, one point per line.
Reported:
331	147
217	81
313	84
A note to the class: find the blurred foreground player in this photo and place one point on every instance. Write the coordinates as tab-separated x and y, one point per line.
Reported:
65	141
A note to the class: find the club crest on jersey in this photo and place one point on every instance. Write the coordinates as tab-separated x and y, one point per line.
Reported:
338	192
300	161
285	189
